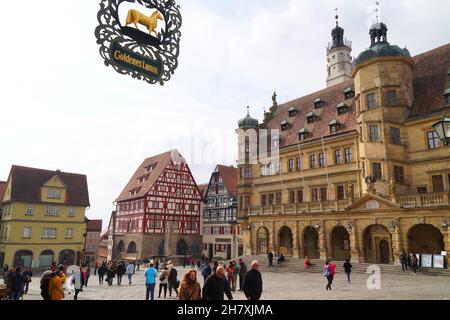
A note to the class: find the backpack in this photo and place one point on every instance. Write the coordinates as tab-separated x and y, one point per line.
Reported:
326	271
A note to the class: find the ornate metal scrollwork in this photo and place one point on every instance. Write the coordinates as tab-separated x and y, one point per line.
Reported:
158	53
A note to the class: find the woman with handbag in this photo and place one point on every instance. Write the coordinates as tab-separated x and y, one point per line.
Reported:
163	282
190	288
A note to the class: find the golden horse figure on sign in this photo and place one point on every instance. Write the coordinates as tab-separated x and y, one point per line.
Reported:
135	17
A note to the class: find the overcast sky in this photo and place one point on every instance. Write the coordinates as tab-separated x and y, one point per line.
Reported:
61	108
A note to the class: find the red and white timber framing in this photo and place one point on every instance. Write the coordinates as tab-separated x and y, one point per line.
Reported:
171	205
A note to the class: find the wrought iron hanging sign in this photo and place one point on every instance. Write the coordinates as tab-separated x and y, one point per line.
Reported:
140	38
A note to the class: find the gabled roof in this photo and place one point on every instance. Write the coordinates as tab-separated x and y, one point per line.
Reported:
203	189
94	225
2	189
229	176
26	185
158	163
332	96
430	79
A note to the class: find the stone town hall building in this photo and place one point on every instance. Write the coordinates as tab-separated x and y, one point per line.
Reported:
361	172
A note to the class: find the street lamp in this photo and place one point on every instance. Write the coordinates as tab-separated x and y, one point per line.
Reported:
442	129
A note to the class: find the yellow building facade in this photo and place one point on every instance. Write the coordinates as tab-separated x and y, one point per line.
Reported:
43	218
356	170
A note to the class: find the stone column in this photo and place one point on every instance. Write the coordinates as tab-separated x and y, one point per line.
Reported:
396	238
295	243
354	245
301	252
272	238
323	243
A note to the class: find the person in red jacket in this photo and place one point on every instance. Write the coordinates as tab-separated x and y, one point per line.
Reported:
329	271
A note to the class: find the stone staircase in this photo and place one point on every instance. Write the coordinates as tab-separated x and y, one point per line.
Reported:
295	265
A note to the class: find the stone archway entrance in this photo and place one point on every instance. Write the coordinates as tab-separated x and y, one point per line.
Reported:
262	241
286	241
377	244
182	248
23	258
46	259
67	257
425	238
311	243
340	243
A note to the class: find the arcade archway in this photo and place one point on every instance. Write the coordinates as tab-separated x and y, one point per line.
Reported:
286	241
377	244
425	238
340	243
311	243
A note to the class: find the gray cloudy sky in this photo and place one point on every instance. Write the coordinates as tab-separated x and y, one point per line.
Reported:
61	108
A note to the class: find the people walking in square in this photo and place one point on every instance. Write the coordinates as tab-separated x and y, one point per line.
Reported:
404	261
281	258
348	269
87	274
45	284
101	273
96	268
111	273
16	284
163	282
270	257
190	288
5	272
414	263
306	263
216	286
150	282
242	273
215	266
231	269
206	271
57	280
120	272
173	280
329	270
130	272
28	274
78	282
253	284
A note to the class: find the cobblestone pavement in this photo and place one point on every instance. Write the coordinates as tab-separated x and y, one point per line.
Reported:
288	286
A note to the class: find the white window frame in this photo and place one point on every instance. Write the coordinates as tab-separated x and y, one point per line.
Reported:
29	210
72	212
69	233
26	234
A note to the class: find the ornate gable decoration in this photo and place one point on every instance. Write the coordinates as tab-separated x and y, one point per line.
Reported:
371	202
140	38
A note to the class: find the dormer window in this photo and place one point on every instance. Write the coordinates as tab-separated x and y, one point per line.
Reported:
349	93
276	140
150	168
292	112
303	134
334	126
318	103
284	125
342	108
311	117
135	191
143	178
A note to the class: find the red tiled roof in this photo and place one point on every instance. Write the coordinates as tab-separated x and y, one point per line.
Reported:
229	176
331	97
94	225
159	162
26	185
2	189
430	79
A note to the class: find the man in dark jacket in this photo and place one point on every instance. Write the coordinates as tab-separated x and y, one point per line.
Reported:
242	273
45	282
253	285
216	286
206	271
270	257
17	284
120	272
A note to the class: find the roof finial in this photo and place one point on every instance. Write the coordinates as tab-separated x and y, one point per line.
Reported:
336	16
377	10
248	110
